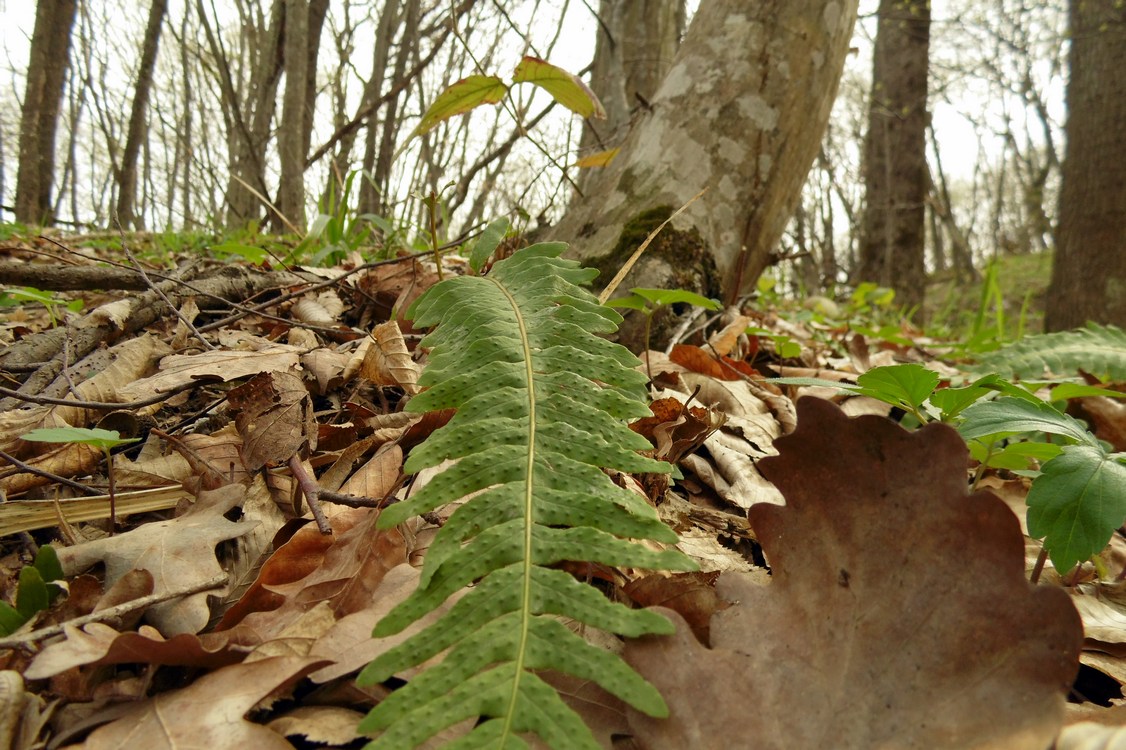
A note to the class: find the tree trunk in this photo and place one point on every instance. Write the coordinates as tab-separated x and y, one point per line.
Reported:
636	43
50	55
377	155
741	112
1089	272
302	20
127	173
248	118
893	242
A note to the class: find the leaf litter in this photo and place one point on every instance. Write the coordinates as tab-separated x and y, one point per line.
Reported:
858	594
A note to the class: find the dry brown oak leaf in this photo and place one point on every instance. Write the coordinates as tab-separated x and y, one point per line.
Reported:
898	615
179	553
209	712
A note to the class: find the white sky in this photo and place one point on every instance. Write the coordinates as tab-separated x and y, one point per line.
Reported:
957	137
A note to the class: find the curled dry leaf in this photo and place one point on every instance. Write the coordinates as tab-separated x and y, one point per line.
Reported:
388	362
898	614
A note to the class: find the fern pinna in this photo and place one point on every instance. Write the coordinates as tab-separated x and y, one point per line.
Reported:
540	401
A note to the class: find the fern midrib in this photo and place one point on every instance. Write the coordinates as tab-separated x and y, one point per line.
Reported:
526	593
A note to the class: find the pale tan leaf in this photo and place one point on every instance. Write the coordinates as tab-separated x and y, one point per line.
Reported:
178	553
378	477
209	713
223	364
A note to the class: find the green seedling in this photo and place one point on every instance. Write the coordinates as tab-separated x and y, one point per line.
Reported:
17	295
649	301
35	591
105	440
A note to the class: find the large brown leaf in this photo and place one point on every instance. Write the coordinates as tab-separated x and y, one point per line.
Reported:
898	614
209	713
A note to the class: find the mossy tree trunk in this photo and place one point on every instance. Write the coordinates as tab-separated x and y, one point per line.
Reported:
741	112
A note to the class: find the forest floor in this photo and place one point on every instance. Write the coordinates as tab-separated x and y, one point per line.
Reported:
861	575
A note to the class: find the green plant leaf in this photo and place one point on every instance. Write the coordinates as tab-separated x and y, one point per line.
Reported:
564	87
674	296
31	593
50	569
1012	415
467	94
541	401
1077	503
10	619
255	255
899	385
1064	391
94	436
487	243
1098	349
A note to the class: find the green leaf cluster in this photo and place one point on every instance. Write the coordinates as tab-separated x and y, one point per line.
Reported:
1078	493
541	401
35	591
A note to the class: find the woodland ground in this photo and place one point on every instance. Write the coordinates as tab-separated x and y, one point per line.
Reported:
219	613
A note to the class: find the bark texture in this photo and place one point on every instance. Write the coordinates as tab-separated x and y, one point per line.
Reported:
39	118
635	46
127	173
1089	273
741	112
893	241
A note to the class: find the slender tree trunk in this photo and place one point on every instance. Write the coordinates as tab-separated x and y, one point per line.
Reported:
377	158
50	55
741	112
1089	272
893	244
389	20
293	143
127	172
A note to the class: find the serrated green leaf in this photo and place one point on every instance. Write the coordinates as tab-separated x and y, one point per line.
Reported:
951	401
899	385
541	402
1076	503
1096	348
1013	415
10	619
467	94
564	87
487	243
31	593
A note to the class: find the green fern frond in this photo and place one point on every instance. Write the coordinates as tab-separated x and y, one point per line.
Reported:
1096	349
540	403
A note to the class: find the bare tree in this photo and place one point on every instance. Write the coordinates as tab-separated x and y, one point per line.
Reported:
127	170
892	248
1089	272
50	54
303	23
